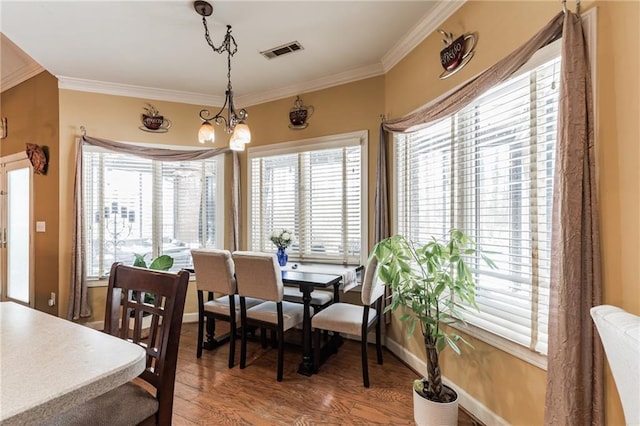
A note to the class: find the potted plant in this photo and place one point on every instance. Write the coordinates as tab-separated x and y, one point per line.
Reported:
431	282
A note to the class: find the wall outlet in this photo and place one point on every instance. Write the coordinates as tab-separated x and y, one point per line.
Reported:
52	301
41	226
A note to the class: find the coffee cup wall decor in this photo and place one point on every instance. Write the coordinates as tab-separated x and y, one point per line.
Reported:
152	121
299	114
457	53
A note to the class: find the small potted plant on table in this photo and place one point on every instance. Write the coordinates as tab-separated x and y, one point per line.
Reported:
430	282
282	238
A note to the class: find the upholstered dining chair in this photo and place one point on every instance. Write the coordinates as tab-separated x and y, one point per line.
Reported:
355	320
620	334
126	316
215	275
258	276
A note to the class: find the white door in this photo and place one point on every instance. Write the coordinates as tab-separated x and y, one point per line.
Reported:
16	235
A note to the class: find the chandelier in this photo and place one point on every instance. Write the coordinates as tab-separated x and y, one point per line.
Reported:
235	121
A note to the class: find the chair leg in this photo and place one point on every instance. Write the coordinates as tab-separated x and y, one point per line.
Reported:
200	335
243	348
378	342
232	343
365	367
280	353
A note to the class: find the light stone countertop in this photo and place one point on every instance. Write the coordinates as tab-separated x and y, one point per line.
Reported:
49	364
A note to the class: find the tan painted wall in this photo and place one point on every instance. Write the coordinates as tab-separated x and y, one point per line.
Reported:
31	109
511	388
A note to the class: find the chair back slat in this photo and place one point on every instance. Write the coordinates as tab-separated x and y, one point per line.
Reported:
153	324
258	275
215	270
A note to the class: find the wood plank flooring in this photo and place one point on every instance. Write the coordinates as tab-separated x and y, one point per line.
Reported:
209	393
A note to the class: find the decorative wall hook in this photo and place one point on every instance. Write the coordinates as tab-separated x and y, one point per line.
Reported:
3	127
457	53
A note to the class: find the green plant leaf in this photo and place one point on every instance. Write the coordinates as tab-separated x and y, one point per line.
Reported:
162	263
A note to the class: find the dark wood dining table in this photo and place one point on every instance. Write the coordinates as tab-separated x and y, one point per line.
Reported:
307	282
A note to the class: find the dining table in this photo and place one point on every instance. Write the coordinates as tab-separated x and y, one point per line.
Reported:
309	277
49	364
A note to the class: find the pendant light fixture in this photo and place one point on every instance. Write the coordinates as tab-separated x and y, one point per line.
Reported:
235	121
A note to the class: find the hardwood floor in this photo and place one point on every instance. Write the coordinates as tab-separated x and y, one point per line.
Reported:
209	393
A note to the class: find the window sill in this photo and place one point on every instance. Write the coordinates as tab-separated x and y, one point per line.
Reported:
512	348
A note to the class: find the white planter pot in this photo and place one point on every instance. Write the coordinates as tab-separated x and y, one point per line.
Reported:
429	413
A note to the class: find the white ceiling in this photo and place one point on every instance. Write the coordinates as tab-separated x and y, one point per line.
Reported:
157	50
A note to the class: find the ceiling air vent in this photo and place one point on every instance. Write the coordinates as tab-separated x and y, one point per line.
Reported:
294	46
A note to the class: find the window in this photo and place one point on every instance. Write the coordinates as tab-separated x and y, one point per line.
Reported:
139	206
315	188
489	171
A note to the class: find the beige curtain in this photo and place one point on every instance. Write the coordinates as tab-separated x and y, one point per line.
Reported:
381	212
575	361
235	228
78	302
574	379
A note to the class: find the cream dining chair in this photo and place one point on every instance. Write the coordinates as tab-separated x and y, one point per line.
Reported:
620	334
215	275
354	319
259	276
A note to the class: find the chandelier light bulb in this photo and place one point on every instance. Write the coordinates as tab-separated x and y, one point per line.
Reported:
206	133
241	133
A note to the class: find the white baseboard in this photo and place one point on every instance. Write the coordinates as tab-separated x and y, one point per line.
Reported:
472	405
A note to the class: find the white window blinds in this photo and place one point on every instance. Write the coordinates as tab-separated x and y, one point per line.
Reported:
139	206
489	171
315	190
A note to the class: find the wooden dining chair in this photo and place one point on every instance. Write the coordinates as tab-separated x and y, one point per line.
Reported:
127	316
258	276
215	275
355	320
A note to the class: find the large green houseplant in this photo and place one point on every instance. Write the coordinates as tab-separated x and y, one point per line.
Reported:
431	282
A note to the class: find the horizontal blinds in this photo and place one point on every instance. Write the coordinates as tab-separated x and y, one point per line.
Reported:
188	205
489	170
138	206
316	194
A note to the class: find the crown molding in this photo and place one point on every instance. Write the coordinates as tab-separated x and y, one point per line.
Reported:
118	89
19	66
21	74
311	86
428	24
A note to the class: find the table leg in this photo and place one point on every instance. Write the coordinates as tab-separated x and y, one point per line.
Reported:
306	367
